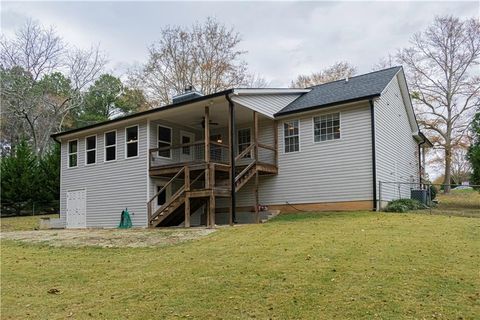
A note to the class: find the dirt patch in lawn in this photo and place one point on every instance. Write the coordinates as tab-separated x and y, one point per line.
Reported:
108	238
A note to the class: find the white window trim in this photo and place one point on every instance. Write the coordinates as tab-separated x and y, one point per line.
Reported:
327	141
186	134
68	153
138	142
299	136
170	142
238	145
168	191
86	151
105	145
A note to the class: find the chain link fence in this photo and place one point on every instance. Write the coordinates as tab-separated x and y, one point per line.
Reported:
29	208
461	198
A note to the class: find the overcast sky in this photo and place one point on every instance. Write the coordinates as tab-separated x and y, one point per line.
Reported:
283	39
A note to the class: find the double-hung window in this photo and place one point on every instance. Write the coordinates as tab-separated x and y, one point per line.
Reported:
244	140
91	150
327	127
73	153
110	146
164	139
131	141
291	138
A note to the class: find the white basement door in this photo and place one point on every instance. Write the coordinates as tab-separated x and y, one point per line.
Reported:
76	209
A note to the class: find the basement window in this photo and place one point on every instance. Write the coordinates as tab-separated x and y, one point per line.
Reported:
111	145
131	141
327	127
291	138
164	136
91	150
73	153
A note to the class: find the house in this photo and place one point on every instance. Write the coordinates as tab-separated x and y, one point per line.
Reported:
209	159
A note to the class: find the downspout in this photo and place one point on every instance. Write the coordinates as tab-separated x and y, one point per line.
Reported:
374	157
232	141
420	161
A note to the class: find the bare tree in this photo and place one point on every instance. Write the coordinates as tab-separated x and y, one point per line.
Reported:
460	166
385	62
37	49
337	71
256	81
445	87
204	55
36	96
84	66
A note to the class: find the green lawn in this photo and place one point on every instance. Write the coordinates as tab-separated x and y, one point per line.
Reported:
23	223
306	266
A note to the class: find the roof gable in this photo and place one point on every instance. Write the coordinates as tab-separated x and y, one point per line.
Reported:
359	87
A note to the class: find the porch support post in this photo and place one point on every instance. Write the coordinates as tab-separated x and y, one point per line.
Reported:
187	197
207	147
255	150
207	134
232	142
187	210
212	210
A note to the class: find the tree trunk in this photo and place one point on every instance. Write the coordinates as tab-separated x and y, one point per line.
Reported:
448	165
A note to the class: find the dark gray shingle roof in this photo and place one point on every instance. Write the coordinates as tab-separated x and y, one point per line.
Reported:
358	87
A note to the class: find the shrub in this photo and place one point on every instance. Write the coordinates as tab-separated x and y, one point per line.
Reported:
433	192
404	205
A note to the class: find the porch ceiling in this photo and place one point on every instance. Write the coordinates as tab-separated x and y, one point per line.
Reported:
192	115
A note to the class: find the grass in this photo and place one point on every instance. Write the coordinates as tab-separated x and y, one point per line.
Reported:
23	223
307	266
459	202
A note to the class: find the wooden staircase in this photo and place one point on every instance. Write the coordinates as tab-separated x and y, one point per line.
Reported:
245	175
202	192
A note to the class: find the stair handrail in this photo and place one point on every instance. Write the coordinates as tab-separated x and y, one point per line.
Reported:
149	203
247	168
244	152
169	202
202	173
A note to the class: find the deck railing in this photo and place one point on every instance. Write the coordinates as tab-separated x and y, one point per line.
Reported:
188	153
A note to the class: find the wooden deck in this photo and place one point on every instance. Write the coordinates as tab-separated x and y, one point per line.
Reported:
172	169
213	170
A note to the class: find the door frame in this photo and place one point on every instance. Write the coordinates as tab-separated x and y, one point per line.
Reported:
168	191
84	224
191	156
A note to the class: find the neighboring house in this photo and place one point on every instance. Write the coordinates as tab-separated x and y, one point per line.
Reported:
210	159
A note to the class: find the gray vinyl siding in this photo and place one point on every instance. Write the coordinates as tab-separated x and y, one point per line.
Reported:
176	131
396	149
268	104
330	171
110	186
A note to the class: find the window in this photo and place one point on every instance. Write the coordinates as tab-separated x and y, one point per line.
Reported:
164	140
162	197
131	141
111	146
244	140
291	140
327	127
91	150
72	153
